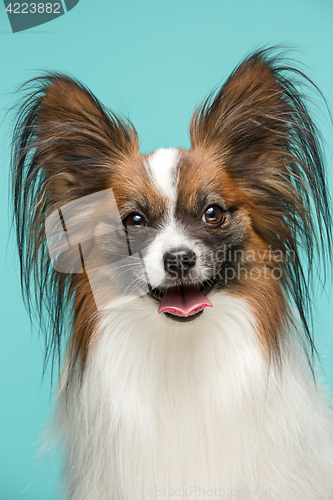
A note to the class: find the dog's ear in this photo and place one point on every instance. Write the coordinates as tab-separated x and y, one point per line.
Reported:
258	127
66	146
64	135
247	115
252	126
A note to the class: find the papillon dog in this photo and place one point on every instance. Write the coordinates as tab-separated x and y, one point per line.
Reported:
179	282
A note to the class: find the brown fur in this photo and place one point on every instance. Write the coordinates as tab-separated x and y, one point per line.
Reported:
202	174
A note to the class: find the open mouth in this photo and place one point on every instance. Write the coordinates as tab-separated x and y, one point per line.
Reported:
183	303
183	319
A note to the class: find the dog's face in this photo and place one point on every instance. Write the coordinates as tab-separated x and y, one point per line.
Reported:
187	225
173	226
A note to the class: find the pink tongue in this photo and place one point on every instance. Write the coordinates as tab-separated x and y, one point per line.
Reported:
184	301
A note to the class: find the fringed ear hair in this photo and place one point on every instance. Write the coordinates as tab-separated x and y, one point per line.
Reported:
65	147
258	127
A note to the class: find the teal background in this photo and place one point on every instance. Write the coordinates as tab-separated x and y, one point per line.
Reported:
152	61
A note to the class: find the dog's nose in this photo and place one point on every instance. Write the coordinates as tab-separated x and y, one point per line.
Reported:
179	261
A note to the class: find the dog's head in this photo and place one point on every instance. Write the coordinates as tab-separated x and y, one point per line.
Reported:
176	225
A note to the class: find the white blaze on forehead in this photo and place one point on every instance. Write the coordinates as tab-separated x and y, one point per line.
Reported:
162	168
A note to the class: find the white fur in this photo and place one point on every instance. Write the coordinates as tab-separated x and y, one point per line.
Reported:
162	170
181	405
161	167
173	235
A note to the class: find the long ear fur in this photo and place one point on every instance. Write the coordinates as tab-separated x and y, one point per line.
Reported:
65	146
259	128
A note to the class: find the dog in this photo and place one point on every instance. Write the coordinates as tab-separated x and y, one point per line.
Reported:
179	282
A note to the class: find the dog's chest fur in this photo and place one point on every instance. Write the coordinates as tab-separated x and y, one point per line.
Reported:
190	407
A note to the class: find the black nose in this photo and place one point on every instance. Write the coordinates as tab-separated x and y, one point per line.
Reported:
179	261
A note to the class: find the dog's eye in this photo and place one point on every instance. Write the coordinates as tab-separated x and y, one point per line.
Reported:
135	222
213	215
